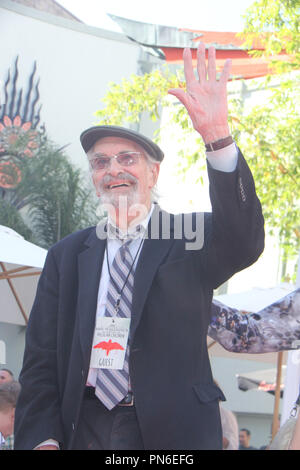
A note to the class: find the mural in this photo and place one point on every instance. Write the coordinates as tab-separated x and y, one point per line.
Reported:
21	134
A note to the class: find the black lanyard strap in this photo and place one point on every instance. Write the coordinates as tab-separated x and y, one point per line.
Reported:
131	267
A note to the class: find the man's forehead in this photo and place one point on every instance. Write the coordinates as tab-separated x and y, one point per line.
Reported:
113	144
4	374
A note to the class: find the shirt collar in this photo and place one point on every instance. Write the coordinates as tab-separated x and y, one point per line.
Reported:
115	232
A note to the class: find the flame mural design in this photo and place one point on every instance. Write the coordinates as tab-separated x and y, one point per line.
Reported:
21	134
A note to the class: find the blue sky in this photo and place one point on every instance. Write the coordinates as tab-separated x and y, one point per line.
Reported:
210	15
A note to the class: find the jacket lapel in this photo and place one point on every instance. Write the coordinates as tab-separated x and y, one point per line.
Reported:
90	262
154	250
89	265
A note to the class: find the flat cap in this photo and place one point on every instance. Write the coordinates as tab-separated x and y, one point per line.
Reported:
90	136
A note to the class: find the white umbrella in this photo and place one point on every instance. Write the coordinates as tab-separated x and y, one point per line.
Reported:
251	301
256	299
261	380
21	263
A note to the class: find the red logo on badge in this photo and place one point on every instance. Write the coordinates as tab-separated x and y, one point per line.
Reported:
108	346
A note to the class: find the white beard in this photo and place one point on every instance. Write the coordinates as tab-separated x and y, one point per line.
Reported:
126	204
119	201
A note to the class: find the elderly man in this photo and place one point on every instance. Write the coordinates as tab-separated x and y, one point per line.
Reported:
116	354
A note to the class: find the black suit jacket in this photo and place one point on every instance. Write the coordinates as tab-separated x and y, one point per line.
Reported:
176	400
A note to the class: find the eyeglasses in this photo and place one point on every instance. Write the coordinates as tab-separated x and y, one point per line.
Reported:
103	162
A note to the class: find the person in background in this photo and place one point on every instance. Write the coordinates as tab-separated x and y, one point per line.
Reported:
230	429
295	442
6	375
9	392
244	437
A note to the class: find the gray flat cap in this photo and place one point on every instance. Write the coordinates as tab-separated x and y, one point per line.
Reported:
90	136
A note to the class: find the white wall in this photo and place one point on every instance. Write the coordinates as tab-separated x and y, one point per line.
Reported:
75	64
12	343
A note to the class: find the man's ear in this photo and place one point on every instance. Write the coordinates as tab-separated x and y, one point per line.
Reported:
155	172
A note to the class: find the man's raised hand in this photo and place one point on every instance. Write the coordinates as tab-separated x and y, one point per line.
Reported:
205	98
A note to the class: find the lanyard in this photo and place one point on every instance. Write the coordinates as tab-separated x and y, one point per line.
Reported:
117	304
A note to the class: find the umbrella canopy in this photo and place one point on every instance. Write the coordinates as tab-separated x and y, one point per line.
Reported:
253	301
261	380
21	263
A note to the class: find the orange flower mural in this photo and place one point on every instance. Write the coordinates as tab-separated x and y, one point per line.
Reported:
10	175
17	140
19	118
16	137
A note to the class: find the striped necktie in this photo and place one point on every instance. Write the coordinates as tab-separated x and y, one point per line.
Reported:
113	385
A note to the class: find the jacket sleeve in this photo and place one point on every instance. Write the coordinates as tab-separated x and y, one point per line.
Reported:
234	234
274	328
37	415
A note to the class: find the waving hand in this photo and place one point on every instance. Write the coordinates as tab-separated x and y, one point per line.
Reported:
205	98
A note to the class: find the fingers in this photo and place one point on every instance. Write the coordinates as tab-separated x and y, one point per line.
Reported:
226	72
188	66
203	71
211	67
201	65
180	95
210	71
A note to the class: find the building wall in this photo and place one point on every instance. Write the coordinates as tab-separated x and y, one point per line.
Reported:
12	338
49	6
75	64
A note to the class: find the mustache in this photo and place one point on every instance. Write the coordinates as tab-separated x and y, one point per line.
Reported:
107	179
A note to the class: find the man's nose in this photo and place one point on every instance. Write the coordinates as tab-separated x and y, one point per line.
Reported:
115	167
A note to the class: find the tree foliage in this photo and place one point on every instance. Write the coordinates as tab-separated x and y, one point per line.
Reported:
126	102
275	125
274	24
11	217
269	135
51	201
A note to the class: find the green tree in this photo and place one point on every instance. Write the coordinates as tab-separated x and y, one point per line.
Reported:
274	24
269	133
275	125
51	201
11	217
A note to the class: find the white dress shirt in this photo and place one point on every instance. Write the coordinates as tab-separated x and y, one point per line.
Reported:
112	246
